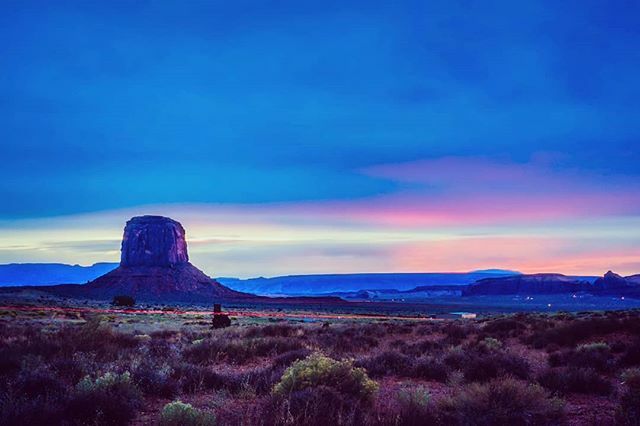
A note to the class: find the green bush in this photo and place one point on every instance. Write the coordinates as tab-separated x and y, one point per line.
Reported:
567	380
111	399
178	413
502	402
239	351
628	412
592	355
490	344
319	370
415	407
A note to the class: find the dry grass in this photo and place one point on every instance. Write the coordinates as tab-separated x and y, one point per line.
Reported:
123	369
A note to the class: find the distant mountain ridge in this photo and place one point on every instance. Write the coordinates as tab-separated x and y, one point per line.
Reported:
610	284
40	274
364	286
529	284
44	274
336	283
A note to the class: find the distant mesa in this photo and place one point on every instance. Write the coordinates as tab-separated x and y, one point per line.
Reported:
154	265
528	284
43	274
610	284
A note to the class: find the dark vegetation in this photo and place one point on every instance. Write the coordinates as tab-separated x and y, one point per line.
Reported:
524	369
127	301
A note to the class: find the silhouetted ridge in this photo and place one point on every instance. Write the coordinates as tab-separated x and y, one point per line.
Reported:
609	284
528	284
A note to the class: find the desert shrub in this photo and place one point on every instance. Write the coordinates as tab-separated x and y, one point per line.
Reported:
569	334
285	359
420	348
501	402
396	364
72	369
618	347
565	380
155	380
628	411
481	367
379	330
414	407
503	326
260	380
193	378
593	355
408	406
164	334
454	333
489	344
387	363
122	300
161	349
111	399
239	351
455	357
97	338
272	330
39	383
318	370
596	347
430	368
315	406
36	397
631	356
30	342
9	361
32	411
178	413
319	390
349	340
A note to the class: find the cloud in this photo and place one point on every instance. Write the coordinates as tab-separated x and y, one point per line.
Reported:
104	109
287	238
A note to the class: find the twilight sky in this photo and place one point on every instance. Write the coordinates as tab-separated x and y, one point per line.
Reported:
334	136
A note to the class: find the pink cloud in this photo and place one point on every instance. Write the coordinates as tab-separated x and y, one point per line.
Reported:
451	191
525	254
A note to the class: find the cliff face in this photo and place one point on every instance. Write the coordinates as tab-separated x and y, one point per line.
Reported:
153	241
155	266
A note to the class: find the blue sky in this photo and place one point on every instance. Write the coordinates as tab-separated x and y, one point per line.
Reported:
118	105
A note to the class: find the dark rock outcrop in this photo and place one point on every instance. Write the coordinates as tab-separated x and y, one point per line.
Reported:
155	266
527	284
611	284
614	284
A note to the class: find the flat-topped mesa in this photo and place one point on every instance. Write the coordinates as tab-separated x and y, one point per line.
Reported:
153	241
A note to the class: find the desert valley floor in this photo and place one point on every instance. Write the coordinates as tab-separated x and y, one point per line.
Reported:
66	362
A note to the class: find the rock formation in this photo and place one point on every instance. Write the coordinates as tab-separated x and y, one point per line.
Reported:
153	241
155	266
527	284
614	284
611	284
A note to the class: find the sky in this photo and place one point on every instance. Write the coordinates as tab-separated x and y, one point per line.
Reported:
324	137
